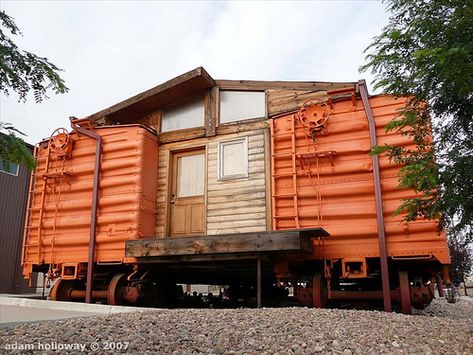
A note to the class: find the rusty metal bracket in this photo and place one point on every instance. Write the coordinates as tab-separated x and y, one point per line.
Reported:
341	93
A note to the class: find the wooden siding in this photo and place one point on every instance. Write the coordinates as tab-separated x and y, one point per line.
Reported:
233	206
280	101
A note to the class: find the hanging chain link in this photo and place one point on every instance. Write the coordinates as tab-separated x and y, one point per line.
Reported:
328	276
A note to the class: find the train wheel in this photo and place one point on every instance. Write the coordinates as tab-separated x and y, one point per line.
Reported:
404	292
61	291
319	291
116	290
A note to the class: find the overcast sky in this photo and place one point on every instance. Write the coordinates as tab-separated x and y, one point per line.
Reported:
111	50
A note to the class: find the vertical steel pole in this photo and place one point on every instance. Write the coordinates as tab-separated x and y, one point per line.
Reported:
258	282
439	282
404	292
93	217
378	198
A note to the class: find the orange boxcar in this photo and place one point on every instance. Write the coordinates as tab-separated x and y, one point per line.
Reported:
333	184
315	206
57	231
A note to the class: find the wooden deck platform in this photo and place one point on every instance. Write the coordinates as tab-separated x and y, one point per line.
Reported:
225	244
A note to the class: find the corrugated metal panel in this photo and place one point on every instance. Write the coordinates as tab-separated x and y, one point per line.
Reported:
127	197
335	191
13	196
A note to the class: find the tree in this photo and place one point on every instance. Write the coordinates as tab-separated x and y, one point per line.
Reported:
461	260
425	53
22	72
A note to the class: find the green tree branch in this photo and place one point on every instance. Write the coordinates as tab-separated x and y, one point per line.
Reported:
22	72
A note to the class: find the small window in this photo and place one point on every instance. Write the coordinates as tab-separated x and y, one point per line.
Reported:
190	175
8	168
233	159
186	115
242	105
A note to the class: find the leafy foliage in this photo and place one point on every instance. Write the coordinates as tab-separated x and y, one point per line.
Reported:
22	72
12	148
425	53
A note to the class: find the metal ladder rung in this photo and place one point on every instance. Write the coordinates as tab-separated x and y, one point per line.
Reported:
286	216
283	155
286	195
285	134
283	175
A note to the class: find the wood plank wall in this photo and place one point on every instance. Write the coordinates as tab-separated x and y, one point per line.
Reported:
233	206
280	101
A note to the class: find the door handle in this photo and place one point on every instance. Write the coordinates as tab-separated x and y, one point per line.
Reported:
173	199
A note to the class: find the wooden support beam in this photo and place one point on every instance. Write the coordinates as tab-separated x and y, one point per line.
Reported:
294	85
204	258
213	112
181	135
281	241
242	126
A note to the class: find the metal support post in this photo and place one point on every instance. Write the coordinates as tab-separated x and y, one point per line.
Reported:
378	199
258	282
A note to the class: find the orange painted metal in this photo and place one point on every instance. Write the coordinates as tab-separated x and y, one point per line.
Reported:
334	183
57	230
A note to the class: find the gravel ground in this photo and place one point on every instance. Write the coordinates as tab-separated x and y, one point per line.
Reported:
444	328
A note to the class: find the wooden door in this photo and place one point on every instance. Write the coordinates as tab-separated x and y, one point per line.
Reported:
187	194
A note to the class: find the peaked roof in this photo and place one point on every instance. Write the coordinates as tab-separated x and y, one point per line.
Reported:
171	91
192	83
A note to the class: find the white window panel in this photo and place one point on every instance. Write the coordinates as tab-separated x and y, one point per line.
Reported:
190	175
187	115
8	168
233	159
241	105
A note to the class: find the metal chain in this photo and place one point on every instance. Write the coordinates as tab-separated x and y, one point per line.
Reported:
328	276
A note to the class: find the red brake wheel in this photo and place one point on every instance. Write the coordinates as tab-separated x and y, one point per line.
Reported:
59	139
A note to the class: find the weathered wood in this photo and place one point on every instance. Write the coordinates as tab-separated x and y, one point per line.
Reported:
154	120
236	204
178	260
237	217
237	187
241	126
281	101
181	135
201	132
208	124
282	241
239	197
267	163
235	211
224	198
294	85
220	230
214	108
